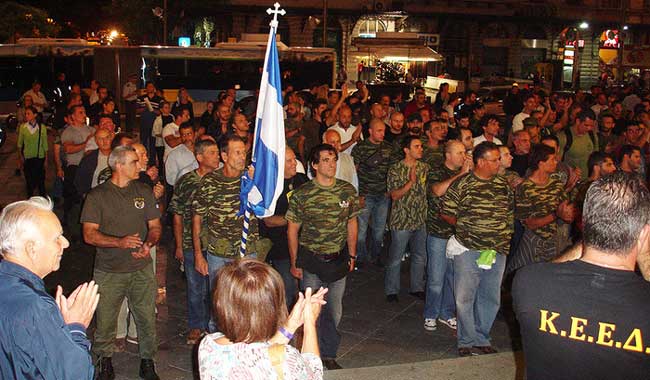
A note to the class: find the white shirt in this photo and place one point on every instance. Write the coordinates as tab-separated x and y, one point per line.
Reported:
345	170
346	135
597	108
130	92
170	129
481	138
518	121
179	161
39	99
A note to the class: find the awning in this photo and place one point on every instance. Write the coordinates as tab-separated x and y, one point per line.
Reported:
398	54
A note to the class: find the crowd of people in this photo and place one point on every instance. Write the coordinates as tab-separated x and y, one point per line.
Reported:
470	198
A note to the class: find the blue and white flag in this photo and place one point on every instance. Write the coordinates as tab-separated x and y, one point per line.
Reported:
261	194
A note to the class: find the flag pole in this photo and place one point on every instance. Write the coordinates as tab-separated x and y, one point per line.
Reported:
247	209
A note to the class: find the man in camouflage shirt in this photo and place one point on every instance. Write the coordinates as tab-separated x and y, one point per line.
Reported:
439	303
480	206
198	310
434	148
407	186
216	229
372	158
325	211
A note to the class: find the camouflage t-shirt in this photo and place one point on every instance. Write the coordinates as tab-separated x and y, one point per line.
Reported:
410	211
434	157
534	201
484	211
436	226
217	202
104	175
323	213
181	204
373	161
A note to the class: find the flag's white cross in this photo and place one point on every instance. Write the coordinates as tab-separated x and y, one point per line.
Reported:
276	12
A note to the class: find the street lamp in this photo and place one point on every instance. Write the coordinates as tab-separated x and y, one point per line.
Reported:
584	25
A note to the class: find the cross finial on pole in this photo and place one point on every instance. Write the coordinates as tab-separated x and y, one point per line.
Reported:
274	22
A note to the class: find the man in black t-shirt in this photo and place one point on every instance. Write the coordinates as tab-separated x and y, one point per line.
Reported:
588	318
275	227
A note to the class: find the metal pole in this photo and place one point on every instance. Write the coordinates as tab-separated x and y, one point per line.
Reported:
164	23
324	23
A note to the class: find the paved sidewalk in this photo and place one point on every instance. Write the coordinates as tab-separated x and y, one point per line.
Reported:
380	340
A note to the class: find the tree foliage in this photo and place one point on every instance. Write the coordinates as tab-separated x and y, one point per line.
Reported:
18	20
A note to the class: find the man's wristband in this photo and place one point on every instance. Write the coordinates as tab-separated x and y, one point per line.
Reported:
286	333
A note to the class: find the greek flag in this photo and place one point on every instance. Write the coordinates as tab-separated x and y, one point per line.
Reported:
261	194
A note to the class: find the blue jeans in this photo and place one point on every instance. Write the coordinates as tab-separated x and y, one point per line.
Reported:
478	297
375	212
198	294
439	301
417	242
290	283
329	338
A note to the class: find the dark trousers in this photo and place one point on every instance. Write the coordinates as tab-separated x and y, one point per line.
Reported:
34	169
130	108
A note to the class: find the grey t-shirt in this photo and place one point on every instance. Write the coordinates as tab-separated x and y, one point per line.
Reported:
76	135
120	212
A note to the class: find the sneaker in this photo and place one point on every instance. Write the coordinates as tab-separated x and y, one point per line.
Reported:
430	324
467	351
451	323
331	364
132	340
392	298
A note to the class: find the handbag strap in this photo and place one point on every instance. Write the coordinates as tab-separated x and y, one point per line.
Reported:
277	353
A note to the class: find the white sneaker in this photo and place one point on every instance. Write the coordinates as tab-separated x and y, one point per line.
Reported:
451	323
430	324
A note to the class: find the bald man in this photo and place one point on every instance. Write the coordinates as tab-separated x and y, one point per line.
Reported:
345	169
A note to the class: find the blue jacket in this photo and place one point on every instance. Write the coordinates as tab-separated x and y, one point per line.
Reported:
35	342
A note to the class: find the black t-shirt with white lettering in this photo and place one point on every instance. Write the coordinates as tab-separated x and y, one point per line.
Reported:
582	321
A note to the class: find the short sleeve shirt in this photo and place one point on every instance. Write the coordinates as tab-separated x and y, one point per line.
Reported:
534	201
436	226
434	157
217	202
323	212
120	211
181	203
484	211
75	135
410	211
373	161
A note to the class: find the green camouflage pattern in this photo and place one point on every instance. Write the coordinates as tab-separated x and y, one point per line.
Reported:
436	226
323	212
484	211
217	202
434	157
181	203
410	211
371	170
534	201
